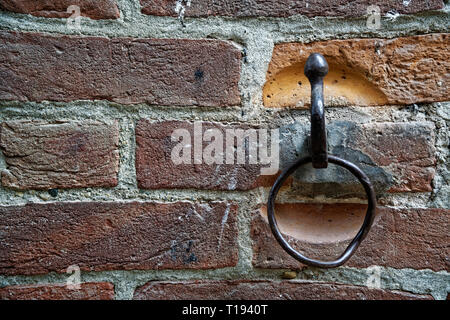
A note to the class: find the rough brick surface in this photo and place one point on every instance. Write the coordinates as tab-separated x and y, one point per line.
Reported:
155	168
405	149
40	238
283	8
363	71
36	67
399	238
263	290
95	9
397	157
87	291
44	155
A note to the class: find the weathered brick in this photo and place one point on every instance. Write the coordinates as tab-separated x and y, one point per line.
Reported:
96	236
399	238
94	9
36	67
397	157
63	154
263	290
363	71
405	149
283	8
87	291
155	168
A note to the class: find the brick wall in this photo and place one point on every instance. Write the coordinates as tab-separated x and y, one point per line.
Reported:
90	189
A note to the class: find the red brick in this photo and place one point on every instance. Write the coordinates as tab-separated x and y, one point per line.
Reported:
399	238
283	8
263	290
96	236
363	72
155	168
404	149
87	291
37	67
63	154
397	157
94	9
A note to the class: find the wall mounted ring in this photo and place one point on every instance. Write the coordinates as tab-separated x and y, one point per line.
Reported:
316	68
370	213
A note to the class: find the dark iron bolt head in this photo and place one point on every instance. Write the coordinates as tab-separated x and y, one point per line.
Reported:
316	66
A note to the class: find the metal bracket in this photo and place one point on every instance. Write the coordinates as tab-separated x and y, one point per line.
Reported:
316	68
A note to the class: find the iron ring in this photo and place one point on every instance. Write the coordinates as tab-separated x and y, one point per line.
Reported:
362	233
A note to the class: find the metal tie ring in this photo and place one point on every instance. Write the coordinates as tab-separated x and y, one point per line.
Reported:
316	68
362	233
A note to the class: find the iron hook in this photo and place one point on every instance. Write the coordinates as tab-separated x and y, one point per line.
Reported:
316	68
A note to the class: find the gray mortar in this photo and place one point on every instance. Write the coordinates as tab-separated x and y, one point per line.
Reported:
256	37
